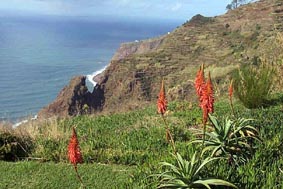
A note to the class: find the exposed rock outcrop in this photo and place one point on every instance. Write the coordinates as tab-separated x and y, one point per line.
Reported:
74	99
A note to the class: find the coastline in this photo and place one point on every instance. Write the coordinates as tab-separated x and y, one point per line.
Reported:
17	123
91	77
24	121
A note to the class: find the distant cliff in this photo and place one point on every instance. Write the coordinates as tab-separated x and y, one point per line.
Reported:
74	99
137	47
133	77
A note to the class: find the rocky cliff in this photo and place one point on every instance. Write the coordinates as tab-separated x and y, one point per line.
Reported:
74	99
133	77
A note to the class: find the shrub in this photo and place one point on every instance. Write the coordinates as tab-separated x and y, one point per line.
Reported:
13	147
253	83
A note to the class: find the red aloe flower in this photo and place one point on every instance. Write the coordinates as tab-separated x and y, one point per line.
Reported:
207	99
199	81
231	90
210	97
74	151
161	102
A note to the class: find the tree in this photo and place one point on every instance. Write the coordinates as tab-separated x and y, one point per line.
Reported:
235	4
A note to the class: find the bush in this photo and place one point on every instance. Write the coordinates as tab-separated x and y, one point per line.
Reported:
253	83
13	147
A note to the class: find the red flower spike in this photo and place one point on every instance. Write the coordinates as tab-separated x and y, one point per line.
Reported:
210	97
207	99
199	81
231	89
161	102
74	152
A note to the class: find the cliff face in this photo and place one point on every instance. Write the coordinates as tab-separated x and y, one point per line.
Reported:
74	99
133	77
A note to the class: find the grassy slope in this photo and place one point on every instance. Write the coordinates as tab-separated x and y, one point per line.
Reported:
61	175
135	143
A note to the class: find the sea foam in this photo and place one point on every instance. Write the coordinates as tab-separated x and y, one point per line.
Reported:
91	76
24	121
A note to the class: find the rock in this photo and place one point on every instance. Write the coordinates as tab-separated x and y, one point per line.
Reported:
74	99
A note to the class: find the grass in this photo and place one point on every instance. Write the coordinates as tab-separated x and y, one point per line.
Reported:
123	150
61	175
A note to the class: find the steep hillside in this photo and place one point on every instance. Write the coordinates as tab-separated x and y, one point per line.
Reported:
222	43
133	77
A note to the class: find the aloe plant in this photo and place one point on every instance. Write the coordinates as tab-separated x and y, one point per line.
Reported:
231	139
187	174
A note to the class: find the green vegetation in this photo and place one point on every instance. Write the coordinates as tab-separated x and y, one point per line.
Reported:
123	150
14	147
253	84
230	139
187	174
61	175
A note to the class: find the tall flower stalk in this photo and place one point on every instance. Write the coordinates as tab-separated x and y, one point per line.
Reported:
207	102
205	93
161	109
231	91
74	153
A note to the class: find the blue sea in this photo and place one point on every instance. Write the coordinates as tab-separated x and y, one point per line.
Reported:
39	55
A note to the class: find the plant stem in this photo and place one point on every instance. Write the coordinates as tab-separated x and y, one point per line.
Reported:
80	179
168	133
232	106
204	128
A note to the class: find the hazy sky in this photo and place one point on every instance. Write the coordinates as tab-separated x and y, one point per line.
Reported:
165	9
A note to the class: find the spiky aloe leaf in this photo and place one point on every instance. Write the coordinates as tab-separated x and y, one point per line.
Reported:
214	182
186	174
230	138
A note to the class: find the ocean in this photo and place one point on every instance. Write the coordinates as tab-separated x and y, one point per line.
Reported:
39	55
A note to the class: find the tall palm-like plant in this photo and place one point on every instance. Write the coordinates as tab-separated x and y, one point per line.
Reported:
231	139
187	174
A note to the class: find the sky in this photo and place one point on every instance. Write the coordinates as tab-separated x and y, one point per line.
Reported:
151	9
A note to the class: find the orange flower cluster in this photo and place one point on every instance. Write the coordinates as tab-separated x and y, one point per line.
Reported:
74	151
199	82
161	102
205	93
